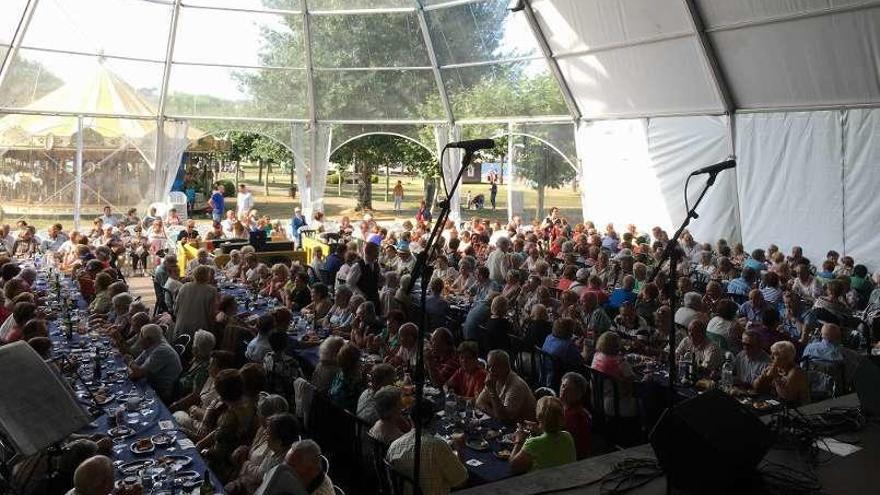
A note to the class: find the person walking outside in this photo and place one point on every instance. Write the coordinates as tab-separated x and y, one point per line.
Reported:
493	192
398	196
245	200
217	202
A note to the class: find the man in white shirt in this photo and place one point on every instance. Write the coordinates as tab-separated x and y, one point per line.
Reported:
228	223
498	262
301	473
108	218
6	238
245	200
441	468
53	242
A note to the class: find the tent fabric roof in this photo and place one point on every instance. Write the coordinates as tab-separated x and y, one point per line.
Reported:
609	58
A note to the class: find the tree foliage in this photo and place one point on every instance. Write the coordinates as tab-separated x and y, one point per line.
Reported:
27	81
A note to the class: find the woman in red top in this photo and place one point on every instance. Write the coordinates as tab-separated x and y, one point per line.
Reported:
441	359
468	381
573	393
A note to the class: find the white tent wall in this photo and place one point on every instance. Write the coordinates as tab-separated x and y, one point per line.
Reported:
634	172
679	145
861	182
789	180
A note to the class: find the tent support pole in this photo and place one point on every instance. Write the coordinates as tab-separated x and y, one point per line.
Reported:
77	195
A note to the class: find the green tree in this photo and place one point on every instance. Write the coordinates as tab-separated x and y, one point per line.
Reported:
26	82
542	167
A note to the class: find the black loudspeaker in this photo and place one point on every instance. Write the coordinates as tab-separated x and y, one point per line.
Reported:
867	381
710	443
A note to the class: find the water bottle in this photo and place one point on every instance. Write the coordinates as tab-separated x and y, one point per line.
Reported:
450	404
686	368
727	372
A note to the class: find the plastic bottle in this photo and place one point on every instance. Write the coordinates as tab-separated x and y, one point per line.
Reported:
727	372
686	368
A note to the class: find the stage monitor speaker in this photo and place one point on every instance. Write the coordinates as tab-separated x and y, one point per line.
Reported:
867	381
710	443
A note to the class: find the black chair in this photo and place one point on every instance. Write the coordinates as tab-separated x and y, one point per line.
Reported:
523	360
399	481
604	421
183	345
549	368
378	450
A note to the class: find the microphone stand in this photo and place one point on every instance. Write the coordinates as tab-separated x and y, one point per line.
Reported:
422	271
672	252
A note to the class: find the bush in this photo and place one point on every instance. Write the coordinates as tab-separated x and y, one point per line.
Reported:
228	188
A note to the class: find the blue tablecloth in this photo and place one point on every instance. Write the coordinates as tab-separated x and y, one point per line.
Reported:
492	468
144	421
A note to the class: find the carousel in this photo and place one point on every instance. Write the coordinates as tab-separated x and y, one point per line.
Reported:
54	165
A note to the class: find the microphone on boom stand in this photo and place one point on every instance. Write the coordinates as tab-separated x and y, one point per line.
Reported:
422	273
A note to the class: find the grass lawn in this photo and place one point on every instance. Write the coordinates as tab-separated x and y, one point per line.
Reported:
273	200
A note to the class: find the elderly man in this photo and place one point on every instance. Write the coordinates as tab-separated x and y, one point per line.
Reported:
203	258
828	348
752	311
706	354
751	360
297	221
596	319
196	303
499	262
442	469
53	241
301	473
744	283
364	277
506	396
158	362
169	263
108	218
692	309
93	477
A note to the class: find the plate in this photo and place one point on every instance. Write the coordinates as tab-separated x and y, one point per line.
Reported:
503	454
186	476
142	446
120	432
176	461
103	400
478	444
133	467
163	440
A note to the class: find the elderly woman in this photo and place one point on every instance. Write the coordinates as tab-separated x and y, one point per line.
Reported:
235	426
344	329
277	283
574	394
366	326
381	375
724	329
232	270
469	379
102	303
692	309
251	458
466	278
321	304
407	338
327	367
551	447
391	424
347	385
340	314
189	411
783	377
195	375
559	345
608	361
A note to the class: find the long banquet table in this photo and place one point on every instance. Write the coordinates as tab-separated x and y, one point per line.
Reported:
147	419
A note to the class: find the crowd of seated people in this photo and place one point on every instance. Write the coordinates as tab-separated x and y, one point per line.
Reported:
497	295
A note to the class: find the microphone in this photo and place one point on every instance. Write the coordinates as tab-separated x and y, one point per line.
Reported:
714	169
473	144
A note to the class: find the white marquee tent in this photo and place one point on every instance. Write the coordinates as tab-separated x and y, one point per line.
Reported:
645	92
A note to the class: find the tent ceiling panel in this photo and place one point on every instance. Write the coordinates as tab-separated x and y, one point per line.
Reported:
247	4
823	60
83	25
239	38
364	95
88	84
10	15
728	13
582	25
657	78
478	32
329	5
195	90
374	40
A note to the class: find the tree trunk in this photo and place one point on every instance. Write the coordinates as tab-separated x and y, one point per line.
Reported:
387	180
260	172
341	179
365	188
539	211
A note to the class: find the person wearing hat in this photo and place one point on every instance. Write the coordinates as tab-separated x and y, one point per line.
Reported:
405	261
297	222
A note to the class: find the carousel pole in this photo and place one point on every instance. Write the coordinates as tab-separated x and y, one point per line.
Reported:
77	195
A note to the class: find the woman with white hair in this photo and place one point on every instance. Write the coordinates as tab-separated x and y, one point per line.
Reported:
327	367
251	457
391	424
783	377
232	270
193	378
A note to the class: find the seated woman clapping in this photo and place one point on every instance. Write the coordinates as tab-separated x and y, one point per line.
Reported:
391	424
548	446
